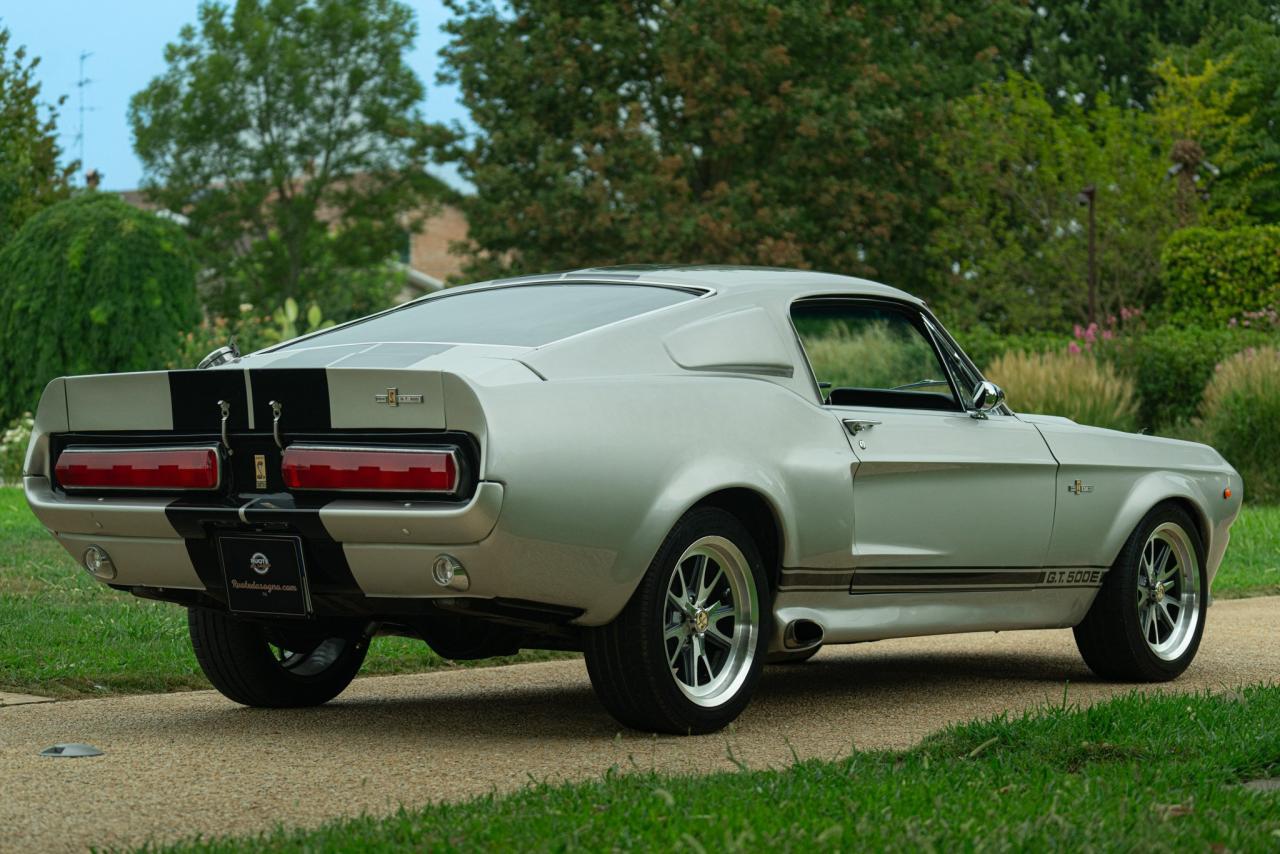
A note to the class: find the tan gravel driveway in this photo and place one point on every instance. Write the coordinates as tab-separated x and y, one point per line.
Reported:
181	764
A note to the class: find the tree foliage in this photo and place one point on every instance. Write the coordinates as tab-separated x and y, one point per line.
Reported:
1010	243
728	131
30	175
289	133
1248	54
1080	49
90	285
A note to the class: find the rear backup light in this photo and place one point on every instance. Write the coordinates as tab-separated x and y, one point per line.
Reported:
157	469
369	469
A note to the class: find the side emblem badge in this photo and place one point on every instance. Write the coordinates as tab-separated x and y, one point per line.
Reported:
259	563
1079	488
260	471
393	397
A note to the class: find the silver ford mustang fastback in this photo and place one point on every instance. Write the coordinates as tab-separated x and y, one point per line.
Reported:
683	472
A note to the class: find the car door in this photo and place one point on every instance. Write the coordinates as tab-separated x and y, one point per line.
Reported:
939	486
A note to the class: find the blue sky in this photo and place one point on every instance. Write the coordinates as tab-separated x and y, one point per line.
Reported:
127	39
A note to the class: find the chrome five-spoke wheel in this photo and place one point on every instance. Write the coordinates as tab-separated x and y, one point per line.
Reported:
712	620
1168	591
686	652
1146	622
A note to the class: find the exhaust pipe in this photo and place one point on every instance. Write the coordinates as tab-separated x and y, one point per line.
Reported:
802	634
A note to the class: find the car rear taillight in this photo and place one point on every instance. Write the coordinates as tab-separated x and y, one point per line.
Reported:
158	469
369	469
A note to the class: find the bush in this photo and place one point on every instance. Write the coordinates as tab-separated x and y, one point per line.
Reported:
1239	415
13	448
1170	366
90	285
1075	385
1216	274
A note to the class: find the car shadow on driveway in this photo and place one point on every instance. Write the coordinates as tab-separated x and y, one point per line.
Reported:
558	703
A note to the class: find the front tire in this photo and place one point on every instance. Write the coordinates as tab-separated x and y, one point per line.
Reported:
1148	619
273	667
686	652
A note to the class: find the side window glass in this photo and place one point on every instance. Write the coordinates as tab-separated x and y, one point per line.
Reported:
869	355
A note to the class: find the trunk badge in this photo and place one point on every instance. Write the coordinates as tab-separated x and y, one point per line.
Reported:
393	397
260	471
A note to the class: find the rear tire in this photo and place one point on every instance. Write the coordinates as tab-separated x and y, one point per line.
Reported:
672	661
1148	619
259	665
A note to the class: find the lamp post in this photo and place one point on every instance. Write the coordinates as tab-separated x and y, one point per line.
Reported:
1086	197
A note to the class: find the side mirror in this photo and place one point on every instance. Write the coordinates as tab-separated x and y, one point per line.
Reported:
986	397
221	356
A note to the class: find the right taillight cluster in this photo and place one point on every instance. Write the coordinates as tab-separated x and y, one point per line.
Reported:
339	469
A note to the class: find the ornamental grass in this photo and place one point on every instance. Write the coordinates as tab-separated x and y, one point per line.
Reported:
1074	385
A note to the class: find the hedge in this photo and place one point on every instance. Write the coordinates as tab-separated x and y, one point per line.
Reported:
1213	275
1168	364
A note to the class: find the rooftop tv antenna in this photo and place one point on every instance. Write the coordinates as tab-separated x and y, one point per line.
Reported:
82	83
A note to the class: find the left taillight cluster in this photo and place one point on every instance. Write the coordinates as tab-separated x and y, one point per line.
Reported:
150	469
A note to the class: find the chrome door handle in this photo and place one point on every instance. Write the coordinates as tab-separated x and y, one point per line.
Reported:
856	426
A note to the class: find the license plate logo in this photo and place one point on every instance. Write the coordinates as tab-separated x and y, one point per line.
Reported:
259	563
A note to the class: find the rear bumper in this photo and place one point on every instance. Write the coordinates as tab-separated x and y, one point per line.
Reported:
165	543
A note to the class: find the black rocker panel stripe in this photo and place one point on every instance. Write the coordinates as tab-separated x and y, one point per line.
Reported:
949	578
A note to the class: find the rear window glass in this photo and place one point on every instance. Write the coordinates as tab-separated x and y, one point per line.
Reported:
520	315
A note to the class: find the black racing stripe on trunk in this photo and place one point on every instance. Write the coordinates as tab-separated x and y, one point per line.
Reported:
333	587
192	518
329	575
949	578
303	394
194	397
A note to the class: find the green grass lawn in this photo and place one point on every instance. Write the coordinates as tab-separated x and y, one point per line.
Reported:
1137	773
63	634
1252	564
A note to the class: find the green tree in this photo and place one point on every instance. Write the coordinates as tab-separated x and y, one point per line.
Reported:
1010	242
90	285
1248	56
289	133
727	131
30	177
1085	48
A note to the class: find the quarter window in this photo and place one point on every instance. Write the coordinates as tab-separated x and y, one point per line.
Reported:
872	355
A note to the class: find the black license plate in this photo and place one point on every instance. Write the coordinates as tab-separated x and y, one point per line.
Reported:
264	575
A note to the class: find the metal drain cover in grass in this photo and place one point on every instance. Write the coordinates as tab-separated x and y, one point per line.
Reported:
71	750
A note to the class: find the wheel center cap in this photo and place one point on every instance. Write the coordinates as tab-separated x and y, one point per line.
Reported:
701	620
1160	592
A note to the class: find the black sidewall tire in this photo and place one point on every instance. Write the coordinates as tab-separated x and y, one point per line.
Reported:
236	657
627	658
1110	637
